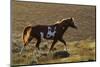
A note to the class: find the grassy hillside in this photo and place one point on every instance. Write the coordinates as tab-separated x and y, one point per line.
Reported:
81	42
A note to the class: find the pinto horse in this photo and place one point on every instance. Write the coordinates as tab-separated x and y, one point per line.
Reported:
50	32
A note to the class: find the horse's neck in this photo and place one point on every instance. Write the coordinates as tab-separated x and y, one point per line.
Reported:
65	28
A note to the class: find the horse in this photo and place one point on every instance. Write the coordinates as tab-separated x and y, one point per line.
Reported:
53	32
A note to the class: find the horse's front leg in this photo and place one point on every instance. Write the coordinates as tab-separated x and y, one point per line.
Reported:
37	46
62	40
54	42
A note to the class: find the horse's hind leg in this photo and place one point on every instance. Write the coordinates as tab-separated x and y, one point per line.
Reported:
25	43
37	44
22	49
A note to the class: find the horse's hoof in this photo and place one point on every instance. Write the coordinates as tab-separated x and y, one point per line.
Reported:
65	49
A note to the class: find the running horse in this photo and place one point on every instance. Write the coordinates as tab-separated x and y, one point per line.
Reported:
53	32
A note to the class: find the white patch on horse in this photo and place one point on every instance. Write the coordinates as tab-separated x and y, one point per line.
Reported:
65	49
42	35
50	33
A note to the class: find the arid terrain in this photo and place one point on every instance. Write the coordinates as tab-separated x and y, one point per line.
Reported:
81	43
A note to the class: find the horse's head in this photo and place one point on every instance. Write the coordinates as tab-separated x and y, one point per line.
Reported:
69	22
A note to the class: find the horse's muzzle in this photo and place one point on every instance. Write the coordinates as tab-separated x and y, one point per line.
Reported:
74	27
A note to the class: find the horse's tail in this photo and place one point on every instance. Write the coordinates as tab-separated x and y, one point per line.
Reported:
26	34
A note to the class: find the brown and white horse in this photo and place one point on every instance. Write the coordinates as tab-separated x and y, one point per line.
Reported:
51	32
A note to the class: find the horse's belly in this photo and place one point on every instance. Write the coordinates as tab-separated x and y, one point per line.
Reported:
50	38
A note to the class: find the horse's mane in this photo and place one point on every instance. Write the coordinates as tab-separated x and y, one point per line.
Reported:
58	22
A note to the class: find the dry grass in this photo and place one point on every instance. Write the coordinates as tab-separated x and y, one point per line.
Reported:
81	42
79	51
